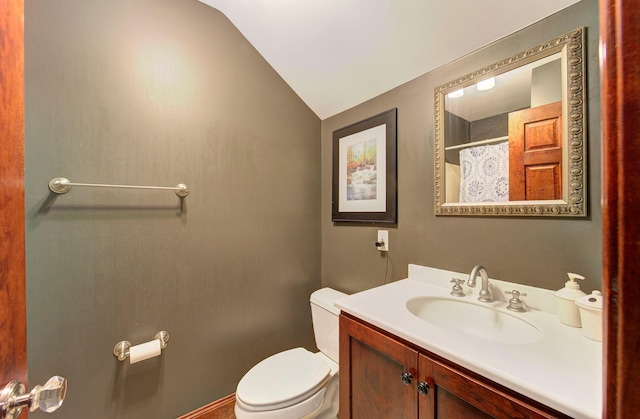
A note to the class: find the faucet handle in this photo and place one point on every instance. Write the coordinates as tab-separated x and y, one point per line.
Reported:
515	303
457	290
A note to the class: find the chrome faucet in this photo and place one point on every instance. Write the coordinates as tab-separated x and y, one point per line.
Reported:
484	295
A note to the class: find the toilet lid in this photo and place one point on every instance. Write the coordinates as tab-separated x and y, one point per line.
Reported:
282	380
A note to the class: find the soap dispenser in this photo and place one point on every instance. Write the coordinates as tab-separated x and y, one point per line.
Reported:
566	301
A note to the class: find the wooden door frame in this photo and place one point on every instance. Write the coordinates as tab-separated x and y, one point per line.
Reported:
620	95
13	329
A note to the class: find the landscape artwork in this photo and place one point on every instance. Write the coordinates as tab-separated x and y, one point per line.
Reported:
364	177
362	172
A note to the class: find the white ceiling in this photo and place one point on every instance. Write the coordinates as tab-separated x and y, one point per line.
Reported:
336	54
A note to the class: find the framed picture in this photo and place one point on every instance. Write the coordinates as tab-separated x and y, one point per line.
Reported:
364	171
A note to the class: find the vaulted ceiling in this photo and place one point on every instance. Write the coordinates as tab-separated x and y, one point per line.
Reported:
336	54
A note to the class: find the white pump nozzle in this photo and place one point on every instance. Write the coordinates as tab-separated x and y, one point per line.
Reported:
571	283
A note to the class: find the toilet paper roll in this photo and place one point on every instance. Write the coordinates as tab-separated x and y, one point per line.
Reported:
144	351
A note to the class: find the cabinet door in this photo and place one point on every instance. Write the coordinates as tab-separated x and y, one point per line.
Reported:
453	394
378	375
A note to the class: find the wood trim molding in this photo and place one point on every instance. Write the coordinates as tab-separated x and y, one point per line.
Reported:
620	75
220	409
13	328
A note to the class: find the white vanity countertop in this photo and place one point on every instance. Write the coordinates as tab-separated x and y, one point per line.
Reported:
562	370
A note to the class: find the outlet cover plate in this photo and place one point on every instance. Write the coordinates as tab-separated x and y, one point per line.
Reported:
383	236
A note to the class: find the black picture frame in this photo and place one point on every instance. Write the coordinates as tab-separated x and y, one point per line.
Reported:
365	171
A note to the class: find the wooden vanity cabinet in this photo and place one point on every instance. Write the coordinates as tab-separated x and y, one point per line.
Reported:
383	377
371	384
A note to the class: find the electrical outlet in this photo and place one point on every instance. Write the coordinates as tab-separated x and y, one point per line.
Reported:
383	239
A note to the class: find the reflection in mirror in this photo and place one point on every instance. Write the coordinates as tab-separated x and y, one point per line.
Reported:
510	137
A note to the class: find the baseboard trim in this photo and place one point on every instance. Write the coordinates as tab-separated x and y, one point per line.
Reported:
220	409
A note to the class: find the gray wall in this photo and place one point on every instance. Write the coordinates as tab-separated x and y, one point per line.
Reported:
536	252
158	92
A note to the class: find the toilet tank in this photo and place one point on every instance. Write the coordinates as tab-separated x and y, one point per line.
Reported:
325	321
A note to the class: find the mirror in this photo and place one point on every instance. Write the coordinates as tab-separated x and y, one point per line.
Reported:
510	137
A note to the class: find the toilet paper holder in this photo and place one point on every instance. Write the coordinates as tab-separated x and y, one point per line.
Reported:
122	348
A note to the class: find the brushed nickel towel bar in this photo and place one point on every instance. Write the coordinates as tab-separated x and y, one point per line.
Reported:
62	185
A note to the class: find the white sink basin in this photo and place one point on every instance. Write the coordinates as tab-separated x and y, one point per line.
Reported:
472	318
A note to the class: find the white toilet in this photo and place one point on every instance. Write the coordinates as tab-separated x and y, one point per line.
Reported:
297	383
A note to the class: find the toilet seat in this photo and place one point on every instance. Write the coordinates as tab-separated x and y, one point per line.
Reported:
282	380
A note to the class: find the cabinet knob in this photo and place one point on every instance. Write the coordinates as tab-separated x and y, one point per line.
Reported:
407	377
423	388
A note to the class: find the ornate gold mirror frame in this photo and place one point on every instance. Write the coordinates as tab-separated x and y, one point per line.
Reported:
573	201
